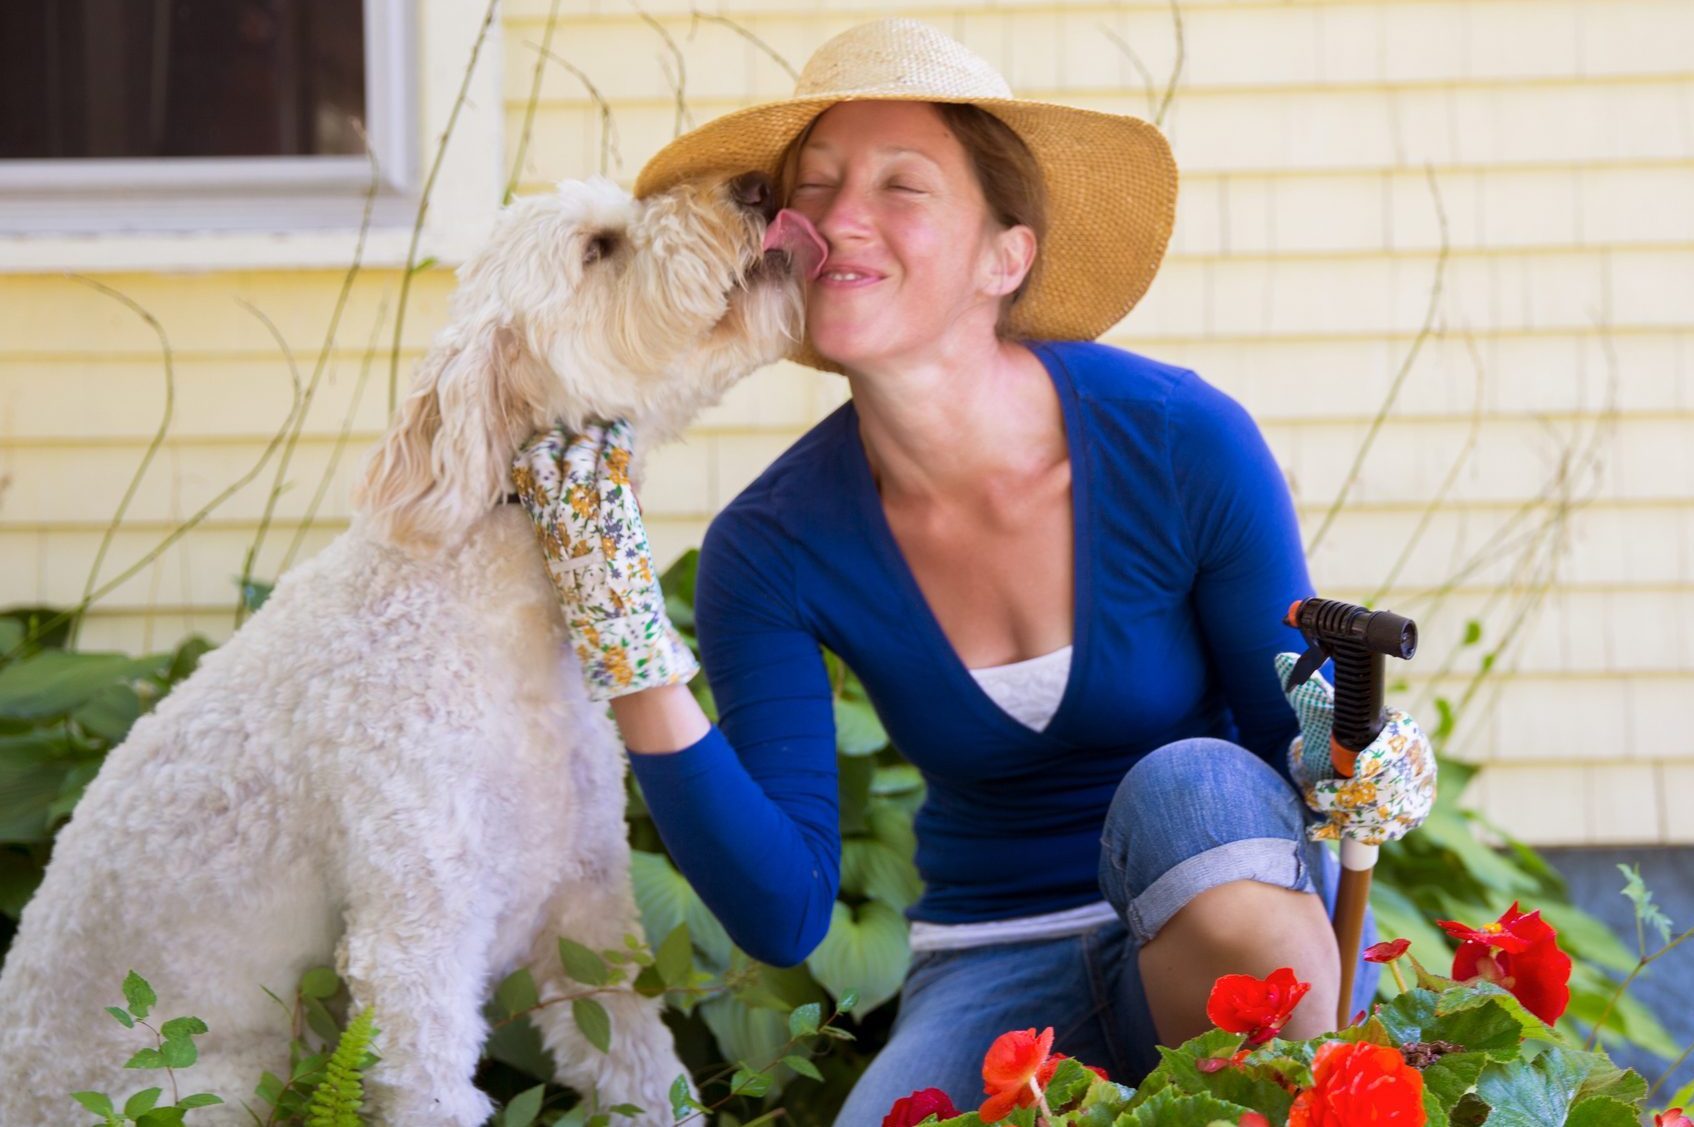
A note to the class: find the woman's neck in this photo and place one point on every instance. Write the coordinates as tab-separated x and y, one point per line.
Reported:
959	425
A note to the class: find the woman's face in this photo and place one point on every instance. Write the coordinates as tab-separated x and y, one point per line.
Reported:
892	192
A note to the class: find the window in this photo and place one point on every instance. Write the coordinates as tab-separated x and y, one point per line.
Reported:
205	133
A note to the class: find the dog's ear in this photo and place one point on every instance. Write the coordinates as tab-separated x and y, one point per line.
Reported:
479	393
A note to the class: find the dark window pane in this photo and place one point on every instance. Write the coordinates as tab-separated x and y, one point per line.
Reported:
180	78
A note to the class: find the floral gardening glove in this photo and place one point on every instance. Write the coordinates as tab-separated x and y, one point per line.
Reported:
1393	783
577	492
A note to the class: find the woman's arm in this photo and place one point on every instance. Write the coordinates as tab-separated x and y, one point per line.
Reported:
1250	565
747	807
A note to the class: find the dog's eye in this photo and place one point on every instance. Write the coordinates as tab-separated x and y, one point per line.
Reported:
600	246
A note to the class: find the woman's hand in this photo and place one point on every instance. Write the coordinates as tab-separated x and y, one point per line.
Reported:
577	492
1393	784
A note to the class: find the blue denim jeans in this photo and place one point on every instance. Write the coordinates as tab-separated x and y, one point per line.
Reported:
1190	816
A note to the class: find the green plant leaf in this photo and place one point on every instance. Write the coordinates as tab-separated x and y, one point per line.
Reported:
870	868
524	1107
146	1058
595	1023
517	992
139	994
858	731
1602	1111
1647	913
123	1017
674	959
53	682
199	1099
109	713
162	1117
666	900
1530	1097
97	1102
864	953
749	1082
803	1066
320	982
803	1022
582	964
141	1101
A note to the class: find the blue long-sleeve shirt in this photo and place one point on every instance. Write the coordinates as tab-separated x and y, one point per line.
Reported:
1187	556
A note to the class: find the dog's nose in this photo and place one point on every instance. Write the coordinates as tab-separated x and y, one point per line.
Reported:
754	191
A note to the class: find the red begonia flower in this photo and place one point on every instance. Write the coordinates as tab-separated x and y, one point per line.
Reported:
1358	1083
1254	1119
919	1106
1386	952
1045	1076
1258	1007
1672	1118
1012	1061
1528	962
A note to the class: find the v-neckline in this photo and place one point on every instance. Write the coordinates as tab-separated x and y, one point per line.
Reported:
923	615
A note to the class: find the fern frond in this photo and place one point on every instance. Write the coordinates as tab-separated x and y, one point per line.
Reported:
340	1094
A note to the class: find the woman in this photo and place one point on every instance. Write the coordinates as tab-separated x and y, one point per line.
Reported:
1058	568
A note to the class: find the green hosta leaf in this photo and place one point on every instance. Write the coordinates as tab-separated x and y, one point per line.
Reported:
891	824
139	994
872	869
109	713
141	1101
865	952
857	729
744	1032
53	682
523	1108
517	992
1585	938
853	791
1448	827
677	583
896	779
666	900
582	964
595	1023
803	1066
320	982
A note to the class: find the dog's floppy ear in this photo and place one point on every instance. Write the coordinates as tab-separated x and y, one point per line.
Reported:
445	459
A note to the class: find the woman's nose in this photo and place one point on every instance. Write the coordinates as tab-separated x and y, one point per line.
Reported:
755	192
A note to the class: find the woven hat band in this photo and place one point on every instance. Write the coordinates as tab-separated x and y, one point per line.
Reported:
898	58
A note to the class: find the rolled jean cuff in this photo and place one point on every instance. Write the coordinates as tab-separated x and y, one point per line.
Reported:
1269	860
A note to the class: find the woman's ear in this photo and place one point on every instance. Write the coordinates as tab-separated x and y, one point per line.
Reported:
1010	259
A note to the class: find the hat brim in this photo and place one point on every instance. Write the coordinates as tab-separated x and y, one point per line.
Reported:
1111	185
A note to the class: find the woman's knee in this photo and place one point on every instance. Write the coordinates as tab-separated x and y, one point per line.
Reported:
1193	815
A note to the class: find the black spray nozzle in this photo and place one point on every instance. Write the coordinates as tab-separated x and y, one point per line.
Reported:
1356	639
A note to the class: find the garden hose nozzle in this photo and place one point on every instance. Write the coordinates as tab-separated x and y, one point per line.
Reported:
1356	639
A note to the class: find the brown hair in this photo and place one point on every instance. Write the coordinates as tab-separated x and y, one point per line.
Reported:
1006	171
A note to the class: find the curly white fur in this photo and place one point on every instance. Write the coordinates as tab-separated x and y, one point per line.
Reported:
393	768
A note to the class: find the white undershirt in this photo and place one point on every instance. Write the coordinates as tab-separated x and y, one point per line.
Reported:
1029	691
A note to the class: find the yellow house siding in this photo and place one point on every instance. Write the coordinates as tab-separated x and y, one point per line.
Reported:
1561	137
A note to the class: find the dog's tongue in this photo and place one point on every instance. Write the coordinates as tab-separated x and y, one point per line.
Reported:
792	232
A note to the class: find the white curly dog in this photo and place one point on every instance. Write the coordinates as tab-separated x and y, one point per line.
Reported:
393	767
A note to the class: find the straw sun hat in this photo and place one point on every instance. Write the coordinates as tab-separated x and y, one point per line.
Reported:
1111	180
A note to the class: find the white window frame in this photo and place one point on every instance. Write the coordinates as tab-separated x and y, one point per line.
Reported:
259	212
